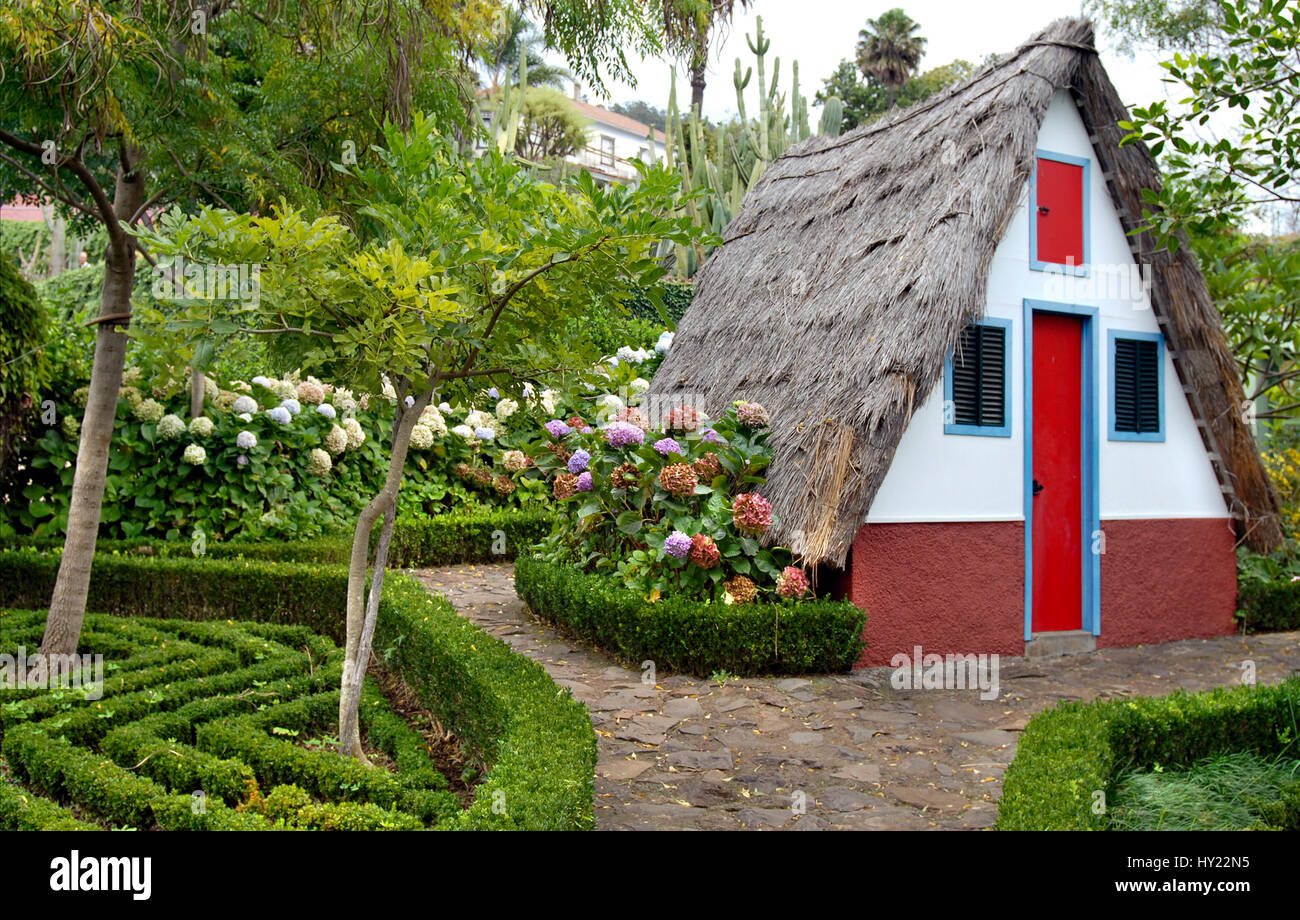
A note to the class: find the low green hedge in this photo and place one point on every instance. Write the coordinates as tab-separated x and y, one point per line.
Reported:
534	738
684	635
1268	606
1069	753
449	539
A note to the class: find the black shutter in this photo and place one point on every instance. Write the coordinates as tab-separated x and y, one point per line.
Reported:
1137	386
979	377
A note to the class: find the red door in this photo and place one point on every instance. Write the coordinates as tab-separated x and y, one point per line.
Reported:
1059	196
1057	530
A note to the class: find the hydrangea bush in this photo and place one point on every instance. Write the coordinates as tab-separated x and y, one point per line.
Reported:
668	512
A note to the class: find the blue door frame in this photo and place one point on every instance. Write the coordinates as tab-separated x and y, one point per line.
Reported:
1088	464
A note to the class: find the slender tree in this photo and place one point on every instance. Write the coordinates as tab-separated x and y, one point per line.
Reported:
890	50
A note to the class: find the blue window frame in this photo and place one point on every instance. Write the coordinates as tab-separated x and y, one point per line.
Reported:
1137	385
981	386
1037	264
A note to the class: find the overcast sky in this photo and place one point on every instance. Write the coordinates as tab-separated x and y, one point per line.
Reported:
819	33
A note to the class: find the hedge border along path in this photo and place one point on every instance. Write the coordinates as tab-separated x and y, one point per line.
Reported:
443	540
810	637
536	741
1069	753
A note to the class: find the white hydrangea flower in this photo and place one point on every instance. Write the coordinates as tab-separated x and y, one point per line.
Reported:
245	404
194	455
480	419
548	401
664	342
170	426
485	434
246	440
432	419
148	410
131	376
464	431
444	408
246	417
506	408
201	426
327	410
356	436
285	389
514	460
638	386
387	390
319	462
335	440
263	381
280	414
610	404
421	437
292	405
528	390
633	355
344	401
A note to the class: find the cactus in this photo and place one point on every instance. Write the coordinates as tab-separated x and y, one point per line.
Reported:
743	150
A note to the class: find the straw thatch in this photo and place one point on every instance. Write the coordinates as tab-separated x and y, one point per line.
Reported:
856	261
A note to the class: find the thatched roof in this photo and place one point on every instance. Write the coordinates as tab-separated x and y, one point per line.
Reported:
856	261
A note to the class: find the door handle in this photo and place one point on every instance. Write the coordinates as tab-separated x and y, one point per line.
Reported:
1038	487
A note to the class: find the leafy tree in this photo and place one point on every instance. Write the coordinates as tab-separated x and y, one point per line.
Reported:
643	112
461	272
865	100
1230	149
550	127
890	50
24	368
1168	25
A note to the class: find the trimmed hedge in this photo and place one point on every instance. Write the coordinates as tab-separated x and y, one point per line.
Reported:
442	540
1265	606
684	635
1068	753
535	739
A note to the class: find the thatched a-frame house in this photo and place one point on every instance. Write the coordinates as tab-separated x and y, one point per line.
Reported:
998	412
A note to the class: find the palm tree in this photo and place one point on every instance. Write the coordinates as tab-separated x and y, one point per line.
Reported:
513	36
687	25
890	50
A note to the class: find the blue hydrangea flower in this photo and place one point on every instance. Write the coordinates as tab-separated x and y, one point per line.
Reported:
578	462
677	544
584	482
557	428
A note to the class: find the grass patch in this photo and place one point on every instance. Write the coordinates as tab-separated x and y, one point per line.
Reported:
1227	792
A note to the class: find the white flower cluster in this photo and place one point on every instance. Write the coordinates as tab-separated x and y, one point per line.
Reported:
194	455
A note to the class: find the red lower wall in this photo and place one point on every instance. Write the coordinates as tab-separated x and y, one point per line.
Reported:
1167	579
959	587
950	587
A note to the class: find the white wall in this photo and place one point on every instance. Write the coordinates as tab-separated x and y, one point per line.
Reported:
945	477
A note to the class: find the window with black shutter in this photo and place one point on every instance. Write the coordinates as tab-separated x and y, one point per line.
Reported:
978	381
1137	386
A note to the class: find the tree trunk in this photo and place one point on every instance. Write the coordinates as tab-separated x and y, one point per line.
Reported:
354	668
68	604
697	86
196	392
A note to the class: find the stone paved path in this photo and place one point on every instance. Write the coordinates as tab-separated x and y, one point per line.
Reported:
686	753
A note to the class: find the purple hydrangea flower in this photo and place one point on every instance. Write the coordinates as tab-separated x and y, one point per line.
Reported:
622	434
584	482
712	436
578	462
585	429
668	446
242	460
677	544
493	394
557	428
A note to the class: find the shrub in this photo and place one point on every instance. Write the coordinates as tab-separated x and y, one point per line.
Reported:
1268	588
1068	754
682	634
666	513
24	366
